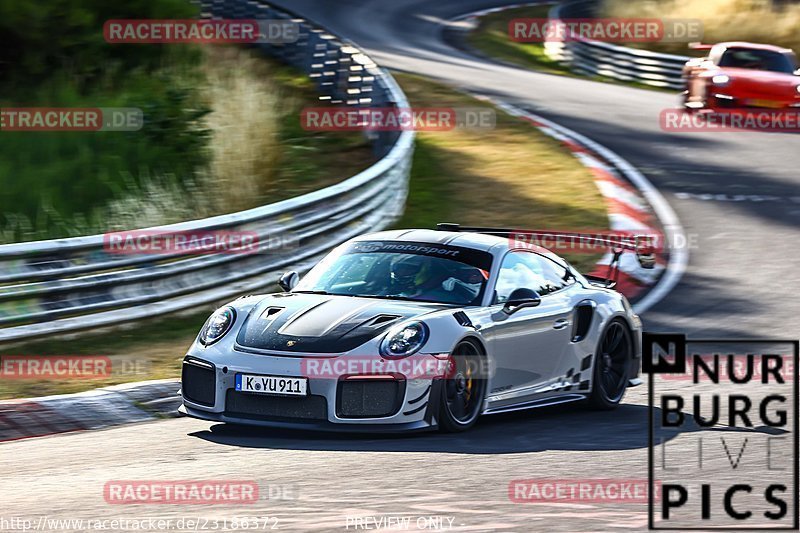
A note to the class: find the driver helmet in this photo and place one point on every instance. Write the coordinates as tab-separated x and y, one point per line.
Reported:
405	270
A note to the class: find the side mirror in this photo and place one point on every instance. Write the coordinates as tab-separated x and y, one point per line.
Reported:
797	72
645	252
646	260
289	281
520	299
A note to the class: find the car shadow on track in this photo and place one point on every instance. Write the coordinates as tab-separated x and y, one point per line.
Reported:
548	429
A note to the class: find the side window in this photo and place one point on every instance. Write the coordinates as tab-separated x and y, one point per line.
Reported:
527	270
554	274
517	271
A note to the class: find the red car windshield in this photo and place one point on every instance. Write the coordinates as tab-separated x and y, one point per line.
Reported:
758	60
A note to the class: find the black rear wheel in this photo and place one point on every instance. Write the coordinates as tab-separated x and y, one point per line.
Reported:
612	363
464	389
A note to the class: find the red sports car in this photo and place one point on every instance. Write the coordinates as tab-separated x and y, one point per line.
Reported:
742	75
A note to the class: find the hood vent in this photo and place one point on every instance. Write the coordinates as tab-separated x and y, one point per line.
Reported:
380	320
271	312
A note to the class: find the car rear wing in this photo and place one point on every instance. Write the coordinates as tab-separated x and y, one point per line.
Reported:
641	245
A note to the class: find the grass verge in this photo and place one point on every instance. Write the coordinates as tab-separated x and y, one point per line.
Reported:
511	175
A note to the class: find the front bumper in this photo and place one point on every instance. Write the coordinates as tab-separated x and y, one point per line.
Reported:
721	100
398	427
345	402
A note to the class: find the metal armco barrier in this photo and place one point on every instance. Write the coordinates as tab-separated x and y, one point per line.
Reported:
611	61
66	285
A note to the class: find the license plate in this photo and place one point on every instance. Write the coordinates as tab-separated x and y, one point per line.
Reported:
278	385
765	103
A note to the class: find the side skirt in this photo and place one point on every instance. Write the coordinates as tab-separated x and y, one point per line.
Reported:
536	403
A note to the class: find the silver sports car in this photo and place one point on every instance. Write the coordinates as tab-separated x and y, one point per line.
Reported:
412	330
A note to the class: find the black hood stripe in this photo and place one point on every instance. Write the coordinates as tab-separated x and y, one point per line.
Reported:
314	323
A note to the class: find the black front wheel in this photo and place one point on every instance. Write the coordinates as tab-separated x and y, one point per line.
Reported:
611	367
463	389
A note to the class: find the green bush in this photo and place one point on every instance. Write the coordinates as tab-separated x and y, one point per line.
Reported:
40	37
53	54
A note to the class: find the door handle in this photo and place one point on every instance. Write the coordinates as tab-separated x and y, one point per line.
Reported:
561	323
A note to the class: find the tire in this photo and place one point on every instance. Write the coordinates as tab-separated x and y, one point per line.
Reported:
611	366
462	394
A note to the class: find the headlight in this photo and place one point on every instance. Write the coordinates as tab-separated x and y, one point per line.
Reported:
405	340
720	79
217	325
798	88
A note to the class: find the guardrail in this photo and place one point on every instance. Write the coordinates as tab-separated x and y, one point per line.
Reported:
67	285
611	61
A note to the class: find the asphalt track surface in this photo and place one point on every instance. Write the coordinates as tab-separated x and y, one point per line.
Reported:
741	281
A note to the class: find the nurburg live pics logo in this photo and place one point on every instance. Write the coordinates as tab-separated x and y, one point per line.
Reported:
723	447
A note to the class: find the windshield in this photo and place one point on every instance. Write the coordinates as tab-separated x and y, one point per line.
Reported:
758	60
421	272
